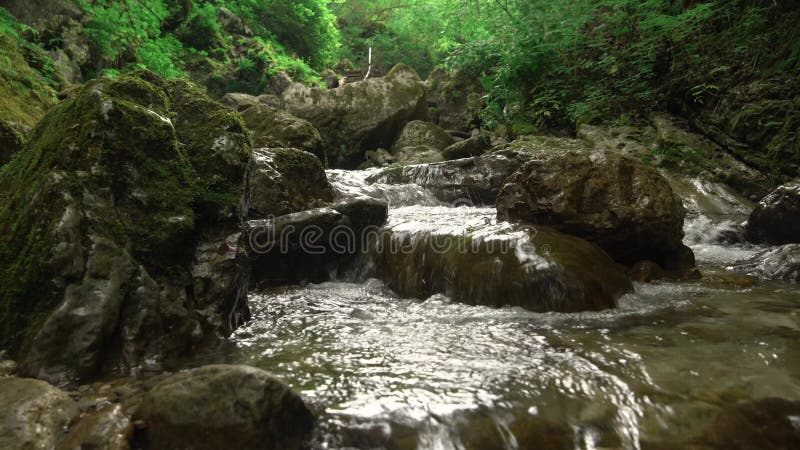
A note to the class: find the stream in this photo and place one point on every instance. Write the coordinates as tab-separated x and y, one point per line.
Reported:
389	372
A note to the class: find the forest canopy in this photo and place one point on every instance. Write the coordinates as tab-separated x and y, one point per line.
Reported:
543	63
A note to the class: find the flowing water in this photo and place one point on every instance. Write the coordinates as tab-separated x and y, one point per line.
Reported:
391	372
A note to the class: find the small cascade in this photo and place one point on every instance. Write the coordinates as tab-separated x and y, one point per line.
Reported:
350	184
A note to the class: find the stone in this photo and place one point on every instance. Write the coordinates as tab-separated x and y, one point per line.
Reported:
764	423
456	100
284	181
359	116
272	127
224	406
419	133
33	414
103	212
239	101
309	246
474	146
330	78
776	218
108	429
777	263
622	205
422	154
470	181
477	261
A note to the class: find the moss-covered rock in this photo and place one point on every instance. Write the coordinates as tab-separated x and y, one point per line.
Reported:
474	146
284	181
25	95
100	216
622	205
275	128
457	100
360	116
417	133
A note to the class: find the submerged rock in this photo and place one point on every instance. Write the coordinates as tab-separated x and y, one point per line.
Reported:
223	406
471	259
779	263
272	127
103	210
359	116
625	207
33	414
776	218
286	180
766	423
470	181
419	133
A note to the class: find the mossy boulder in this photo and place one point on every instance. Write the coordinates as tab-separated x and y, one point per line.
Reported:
360	116
417	133
474	260
224	406
474	146
421	154
100	216
456	98
272	127
622	205
284	181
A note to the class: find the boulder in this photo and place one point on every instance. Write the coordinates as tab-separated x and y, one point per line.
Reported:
417	155
110	428
33	414
474	146
239	101
456	100
776	218
778	263
102	214
286	180
330	78
765	423
418	133
272	127
224	406
474	260
359	116
622	205
312	244
470	181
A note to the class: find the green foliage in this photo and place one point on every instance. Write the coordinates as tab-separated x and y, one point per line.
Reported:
201	30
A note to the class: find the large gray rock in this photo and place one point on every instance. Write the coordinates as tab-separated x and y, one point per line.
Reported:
33	414
779	263
272	127
474	260
100	223
418	133
776	218
359	116
222	406
286	180
470	181
625	207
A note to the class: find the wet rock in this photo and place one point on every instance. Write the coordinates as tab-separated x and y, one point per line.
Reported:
470	181
625	207
478	262
758	122
239	101
33	414
456	100
377	158
646	271
272	127
286	180
222	406
108	429
311	245
779	263
474	146
766	423
359	116
776	218
482	432
419	133
106	203
417	155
